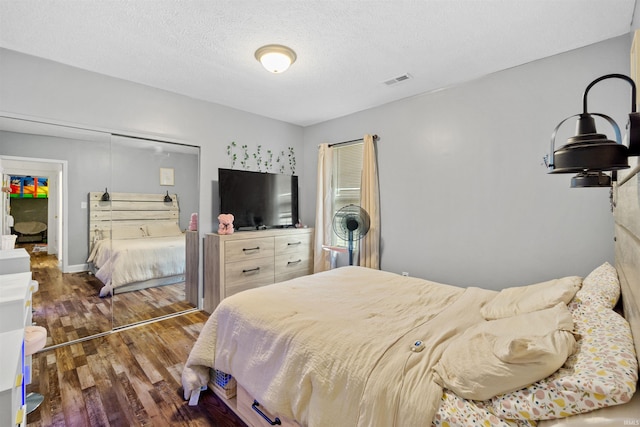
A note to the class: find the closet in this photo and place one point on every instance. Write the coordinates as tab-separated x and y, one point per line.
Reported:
75	162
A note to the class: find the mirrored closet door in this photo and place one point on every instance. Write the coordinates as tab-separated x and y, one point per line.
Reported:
72	164
154	192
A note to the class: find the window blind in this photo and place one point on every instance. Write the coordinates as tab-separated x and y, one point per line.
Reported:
347	173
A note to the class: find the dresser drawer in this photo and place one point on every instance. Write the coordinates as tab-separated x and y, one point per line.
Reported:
249	259
252	417
287	263
256	272
239	250
293	244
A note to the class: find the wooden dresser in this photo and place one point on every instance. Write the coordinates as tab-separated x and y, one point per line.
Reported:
249	259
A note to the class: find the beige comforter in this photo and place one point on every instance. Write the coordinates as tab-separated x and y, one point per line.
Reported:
335	348
123	261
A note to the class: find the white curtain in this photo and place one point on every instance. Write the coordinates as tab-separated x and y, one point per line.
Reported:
369	254
324	206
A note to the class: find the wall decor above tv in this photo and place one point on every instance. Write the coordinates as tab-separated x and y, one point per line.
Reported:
258	199
262	160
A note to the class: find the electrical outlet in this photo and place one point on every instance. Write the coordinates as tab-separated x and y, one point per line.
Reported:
404	273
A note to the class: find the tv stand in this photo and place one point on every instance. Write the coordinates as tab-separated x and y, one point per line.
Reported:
249	259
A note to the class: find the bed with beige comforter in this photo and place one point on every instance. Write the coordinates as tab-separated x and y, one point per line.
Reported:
355	346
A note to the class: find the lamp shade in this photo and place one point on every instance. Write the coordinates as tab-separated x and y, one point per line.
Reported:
590	153
590	150
275	58
590	179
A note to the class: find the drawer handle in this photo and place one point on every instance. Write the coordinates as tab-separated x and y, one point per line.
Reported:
294	262
294	243
255	405
257	248
251	270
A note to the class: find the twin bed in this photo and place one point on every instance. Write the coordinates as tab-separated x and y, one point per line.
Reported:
135	241
361	347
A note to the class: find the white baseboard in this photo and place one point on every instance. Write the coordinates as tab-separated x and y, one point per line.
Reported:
78	268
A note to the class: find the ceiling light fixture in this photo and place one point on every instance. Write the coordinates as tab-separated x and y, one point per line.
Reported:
590	153
275	58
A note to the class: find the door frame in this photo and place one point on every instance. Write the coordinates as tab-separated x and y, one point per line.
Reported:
56	171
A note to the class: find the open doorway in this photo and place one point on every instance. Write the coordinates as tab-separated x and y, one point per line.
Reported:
38	221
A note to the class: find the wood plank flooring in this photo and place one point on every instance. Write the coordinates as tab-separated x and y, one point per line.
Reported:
69	307
128	378
144	304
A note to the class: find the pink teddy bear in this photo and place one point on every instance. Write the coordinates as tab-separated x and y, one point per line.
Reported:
226	224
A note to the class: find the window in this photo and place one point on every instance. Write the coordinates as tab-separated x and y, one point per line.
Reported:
347	171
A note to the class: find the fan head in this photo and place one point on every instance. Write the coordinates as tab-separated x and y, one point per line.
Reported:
351	221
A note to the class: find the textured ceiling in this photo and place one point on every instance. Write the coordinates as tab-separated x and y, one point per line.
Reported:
346	49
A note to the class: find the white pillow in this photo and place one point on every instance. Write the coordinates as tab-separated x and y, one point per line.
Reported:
530	298
165	229
600	287
504	355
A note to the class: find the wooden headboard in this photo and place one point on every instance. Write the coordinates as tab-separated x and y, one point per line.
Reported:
128	209
626	200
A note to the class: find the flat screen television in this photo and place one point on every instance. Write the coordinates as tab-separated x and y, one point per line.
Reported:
258	199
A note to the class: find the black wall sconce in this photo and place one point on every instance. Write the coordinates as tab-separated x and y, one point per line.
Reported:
105	196
589	153
167	198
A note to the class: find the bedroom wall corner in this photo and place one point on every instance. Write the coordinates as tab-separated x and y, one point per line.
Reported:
465	198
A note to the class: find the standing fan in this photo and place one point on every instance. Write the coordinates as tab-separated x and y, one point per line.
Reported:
351	223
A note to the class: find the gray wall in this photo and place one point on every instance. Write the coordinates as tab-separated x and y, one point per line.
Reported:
94	165
137	170
464	197
89	165
46	90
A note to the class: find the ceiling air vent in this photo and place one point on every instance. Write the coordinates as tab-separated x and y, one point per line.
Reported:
398	79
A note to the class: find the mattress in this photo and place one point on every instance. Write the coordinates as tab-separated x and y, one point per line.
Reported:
119	262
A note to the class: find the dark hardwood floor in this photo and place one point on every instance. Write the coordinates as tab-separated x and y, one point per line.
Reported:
69	306
128	378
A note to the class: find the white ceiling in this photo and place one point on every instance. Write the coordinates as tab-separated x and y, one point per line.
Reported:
346	49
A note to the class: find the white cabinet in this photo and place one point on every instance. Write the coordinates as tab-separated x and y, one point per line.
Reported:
15	313
14	261
12	383
248	259
15	301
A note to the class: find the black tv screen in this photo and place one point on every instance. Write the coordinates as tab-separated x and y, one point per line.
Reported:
258	199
